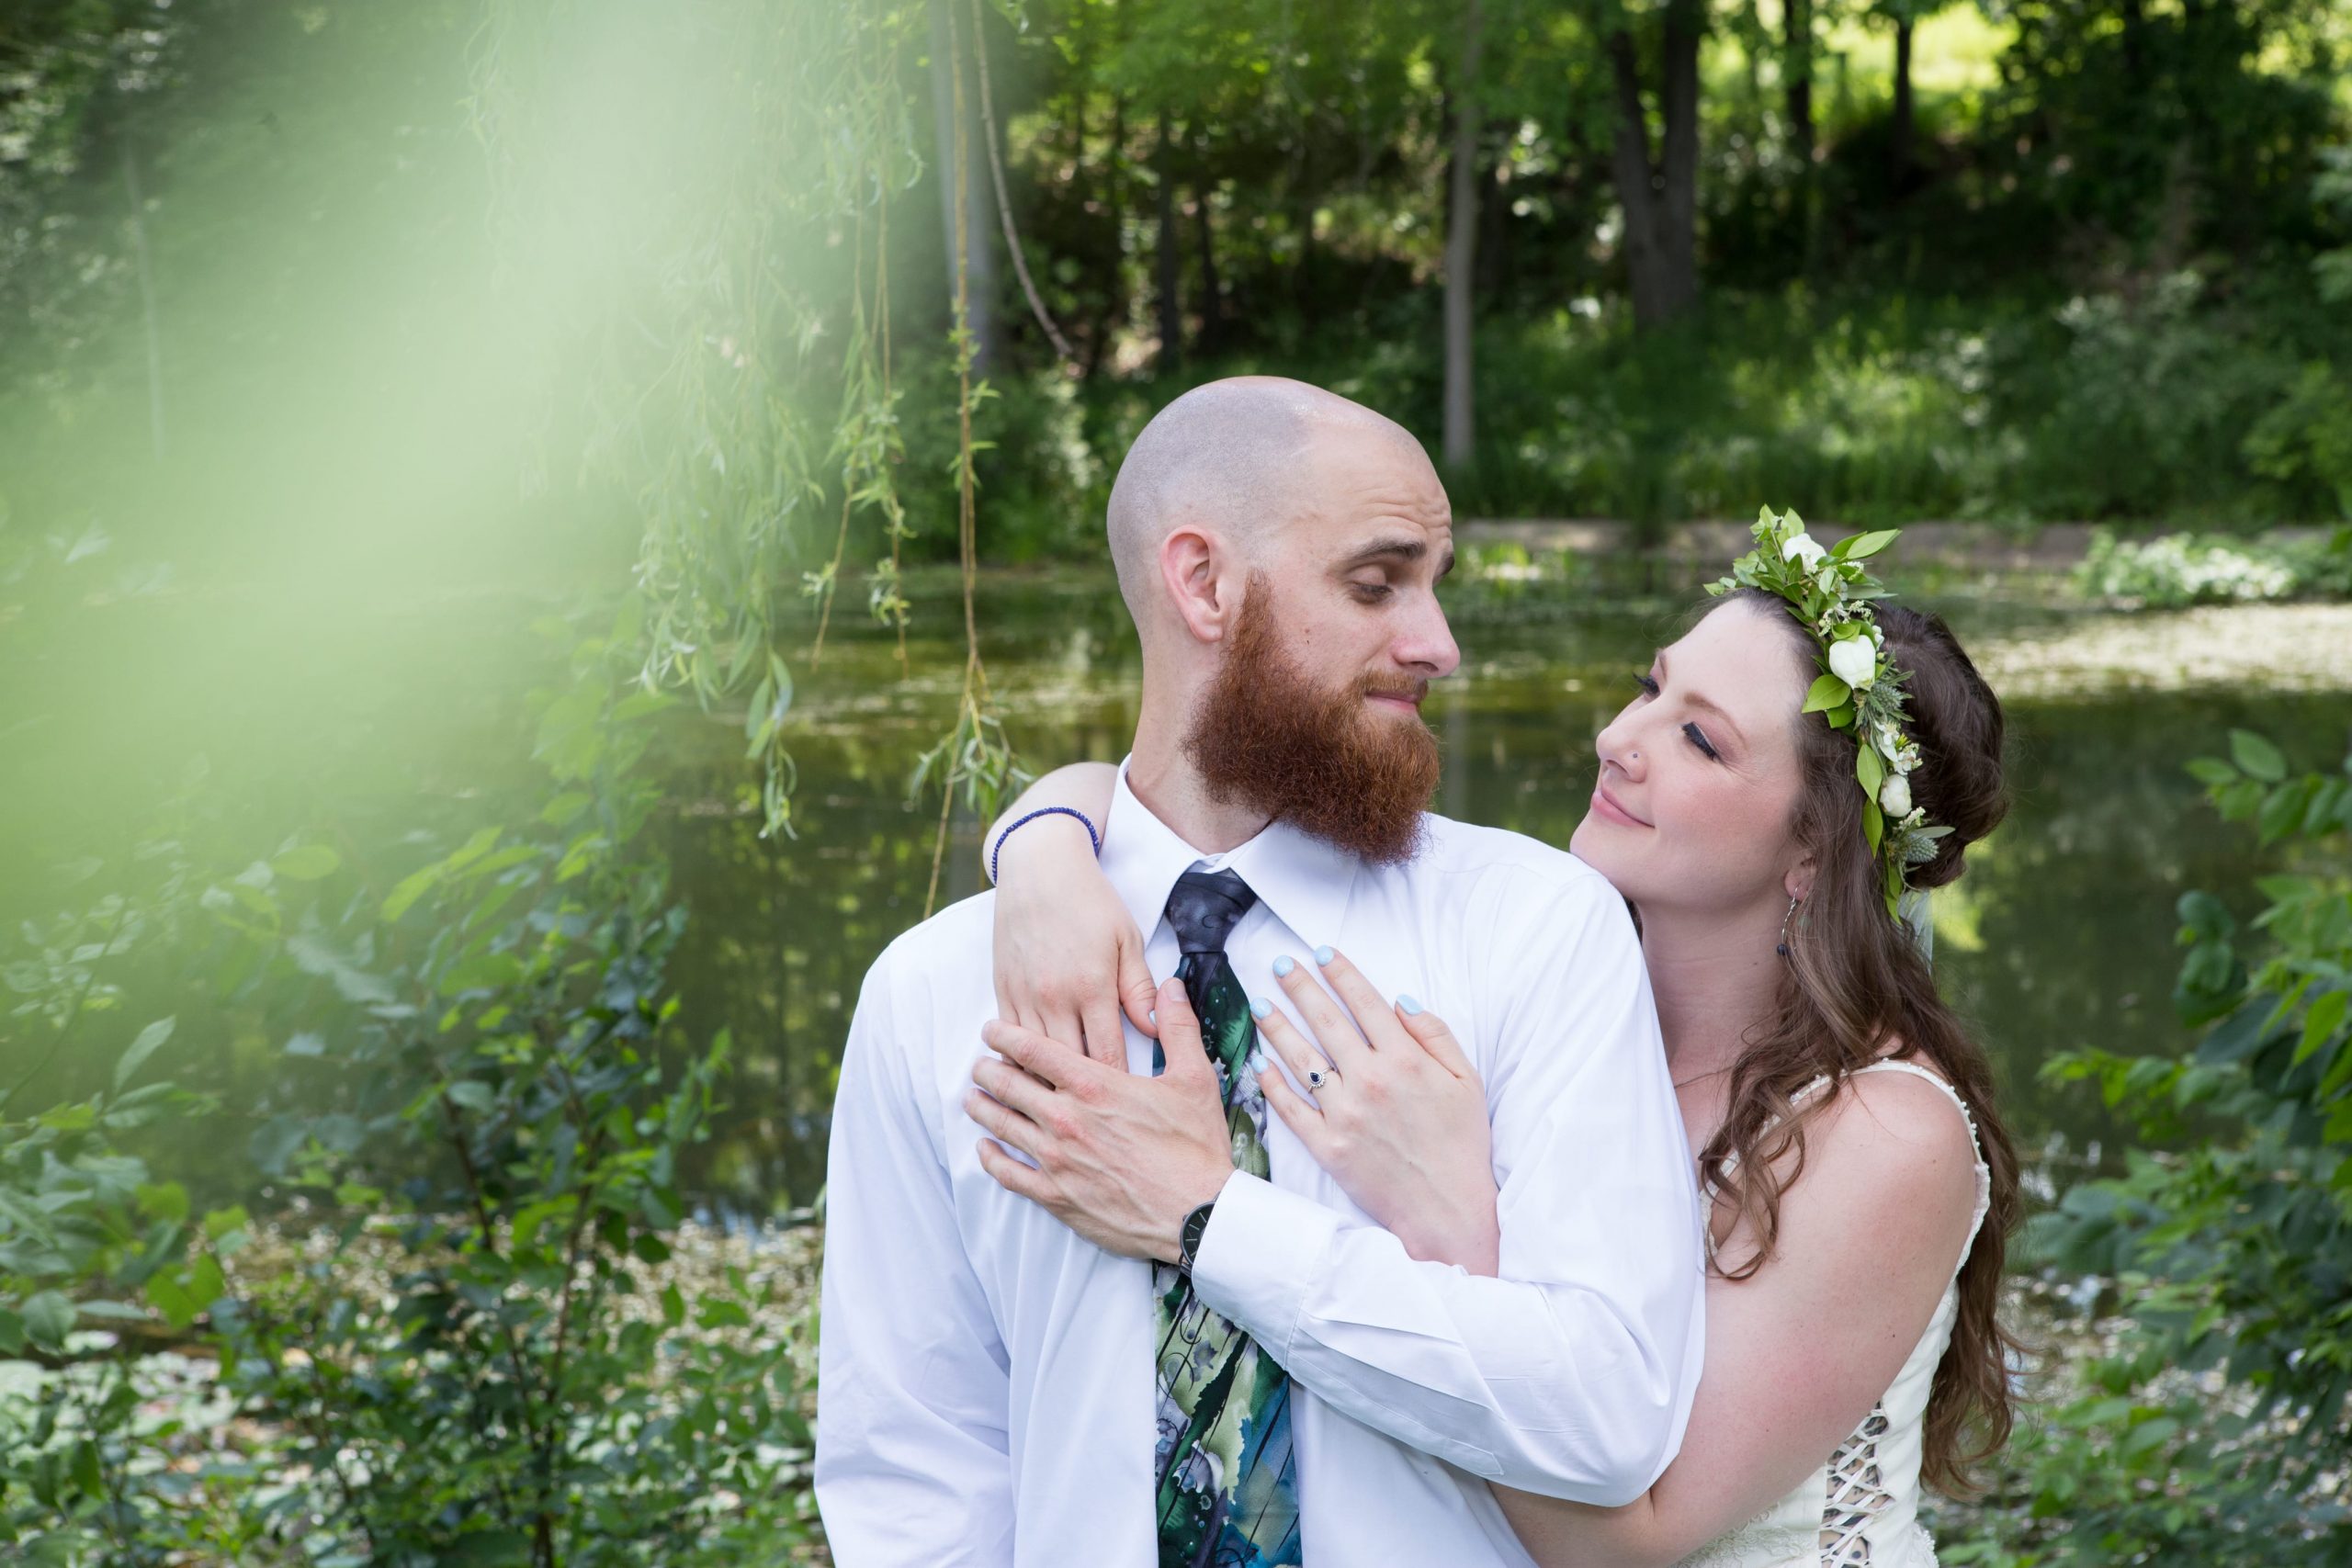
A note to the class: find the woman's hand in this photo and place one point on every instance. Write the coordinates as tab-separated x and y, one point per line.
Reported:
1068	958
1401	1118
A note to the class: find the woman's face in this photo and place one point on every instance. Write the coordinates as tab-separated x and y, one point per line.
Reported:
1700	773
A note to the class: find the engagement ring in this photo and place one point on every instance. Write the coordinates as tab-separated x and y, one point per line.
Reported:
1317	1076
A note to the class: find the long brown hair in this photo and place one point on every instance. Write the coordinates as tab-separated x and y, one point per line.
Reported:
1855	982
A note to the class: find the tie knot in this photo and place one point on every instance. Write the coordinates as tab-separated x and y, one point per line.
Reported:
1204	907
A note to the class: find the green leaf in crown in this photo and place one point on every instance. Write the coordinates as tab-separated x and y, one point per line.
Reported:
1830	593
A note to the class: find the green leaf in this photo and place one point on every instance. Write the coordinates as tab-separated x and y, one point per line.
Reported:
410	888
473	1094
1863	546
1871	769
164	1201
49	1318
559	812
1873	824
717	1312
673	1306
151	1040
2324	1018
1827	692
2256	756
88	1474
2211	772
307	863
483	971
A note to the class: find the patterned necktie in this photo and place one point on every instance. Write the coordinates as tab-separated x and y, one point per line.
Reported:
1228	1497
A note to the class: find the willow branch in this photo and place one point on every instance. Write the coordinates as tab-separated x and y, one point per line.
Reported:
1004	206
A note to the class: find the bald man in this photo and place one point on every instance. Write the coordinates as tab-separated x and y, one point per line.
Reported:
1083	1310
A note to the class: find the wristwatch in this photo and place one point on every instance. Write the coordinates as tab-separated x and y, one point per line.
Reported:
1196	1225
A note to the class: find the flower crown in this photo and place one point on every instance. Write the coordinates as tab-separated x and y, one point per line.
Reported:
1830	592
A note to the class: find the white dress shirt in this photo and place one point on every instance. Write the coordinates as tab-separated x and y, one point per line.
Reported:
985	1377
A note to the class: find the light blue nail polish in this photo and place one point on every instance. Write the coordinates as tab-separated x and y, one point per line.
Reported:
1323	957
1412	1007
1283	966
1260	1007
1153	1015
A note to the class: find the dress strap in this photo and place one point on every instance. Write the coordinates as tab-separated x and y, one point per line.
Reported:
1976	1144
1887	1065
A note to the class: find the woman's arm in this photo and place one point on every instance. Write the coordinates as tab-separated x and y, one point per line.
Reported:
1067	955
1799	1352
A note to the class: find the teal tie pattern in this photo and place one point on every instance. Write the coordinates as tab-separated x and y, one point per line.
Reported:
1228	1492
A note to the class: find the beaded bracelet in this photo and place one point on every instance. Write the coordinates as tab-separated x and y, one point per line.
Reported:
1044	811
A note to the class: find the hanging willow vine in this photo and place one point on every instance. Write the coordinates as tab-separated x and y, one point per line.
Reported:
725	259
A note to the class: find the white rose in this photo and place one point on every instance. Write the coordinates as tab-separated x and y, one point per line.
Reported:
1854	661
1802	547
1894	796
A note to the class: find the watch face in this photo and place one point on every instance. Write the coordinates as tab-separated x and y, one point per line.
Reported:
1196	1225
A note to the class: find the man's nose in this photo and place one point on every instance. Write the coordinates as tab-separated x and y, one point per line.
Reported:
1427	643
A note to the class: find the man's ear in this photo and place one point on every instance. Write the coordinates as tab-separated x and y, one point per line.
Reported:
1197	570
1799	881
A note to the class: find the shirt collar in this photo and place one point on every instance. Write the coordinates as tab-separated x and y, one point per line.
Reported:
1303	880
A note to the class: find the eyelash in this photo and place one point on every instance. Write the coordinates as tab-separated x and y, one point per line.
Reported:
1691	731
1370	592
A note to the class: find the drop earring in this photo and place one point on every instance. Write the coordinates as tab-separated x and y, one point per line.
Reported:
1784	949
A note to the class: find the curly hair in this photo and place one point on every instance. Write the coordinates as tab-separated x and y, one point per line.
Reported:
1856	983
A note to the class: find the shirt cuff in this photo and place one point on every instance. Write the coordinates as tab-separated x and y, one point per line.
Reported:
1262	1249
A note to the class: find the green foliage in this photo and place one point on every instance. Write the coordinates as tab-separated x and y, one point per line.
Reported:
2211	1432
86	1231
2178	570
507	1121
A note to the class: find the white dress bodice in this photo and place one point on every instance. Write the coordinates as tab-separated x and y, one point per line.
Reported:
1863	1504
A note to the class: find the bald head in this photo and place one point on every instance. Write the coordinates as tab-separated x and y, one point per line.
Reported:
1235	456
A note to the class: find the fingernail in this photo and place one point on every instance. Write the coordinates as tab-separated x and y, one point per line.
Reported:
1323	957
1408	1004
1283	966
1258	1006
1153	1015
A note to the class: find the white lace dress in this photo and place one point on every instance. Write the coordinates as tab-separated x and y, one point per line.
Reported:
1863	1506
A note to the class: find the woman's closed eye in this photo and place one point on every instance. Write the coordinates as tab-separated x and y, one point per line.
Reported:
1690	732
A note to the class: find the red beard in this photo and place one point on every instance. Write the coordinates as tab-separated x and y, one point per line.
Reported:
1325	761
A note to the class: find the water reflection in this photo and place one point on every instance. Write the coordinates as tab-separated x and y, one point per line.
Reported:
2060	936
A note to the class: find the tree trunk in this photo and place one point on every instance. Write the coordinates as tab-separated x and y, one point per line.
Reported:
979	213
1171	311
146	300
1898	152
1462	245
1212	296
1660	200
1796	66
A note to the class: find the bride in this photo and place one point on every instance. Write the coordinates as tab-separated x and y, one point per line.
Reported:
1806	741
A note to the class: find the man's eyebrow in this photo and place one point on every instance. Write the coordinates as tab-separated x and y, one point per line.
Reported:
1696	701
1394	550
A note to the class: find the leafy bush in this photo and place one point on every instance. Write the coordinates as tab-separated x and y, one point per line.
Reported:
2178	570
2217	1429
488	1359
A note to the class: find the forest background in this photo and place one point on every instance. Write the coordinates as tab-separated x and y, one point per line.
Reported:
532	530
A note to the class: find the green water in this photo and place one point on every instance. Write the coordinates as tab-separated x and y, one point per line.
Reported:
351	723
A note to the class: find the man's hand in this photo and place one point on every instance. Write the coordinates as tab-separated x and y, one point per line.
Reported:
1121	1159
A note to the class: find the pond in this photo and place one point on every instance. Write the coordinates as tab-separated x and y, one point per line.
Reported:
2060	935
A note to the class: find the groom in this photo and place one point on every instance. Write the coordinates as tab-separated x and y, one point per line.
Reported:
990	1381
